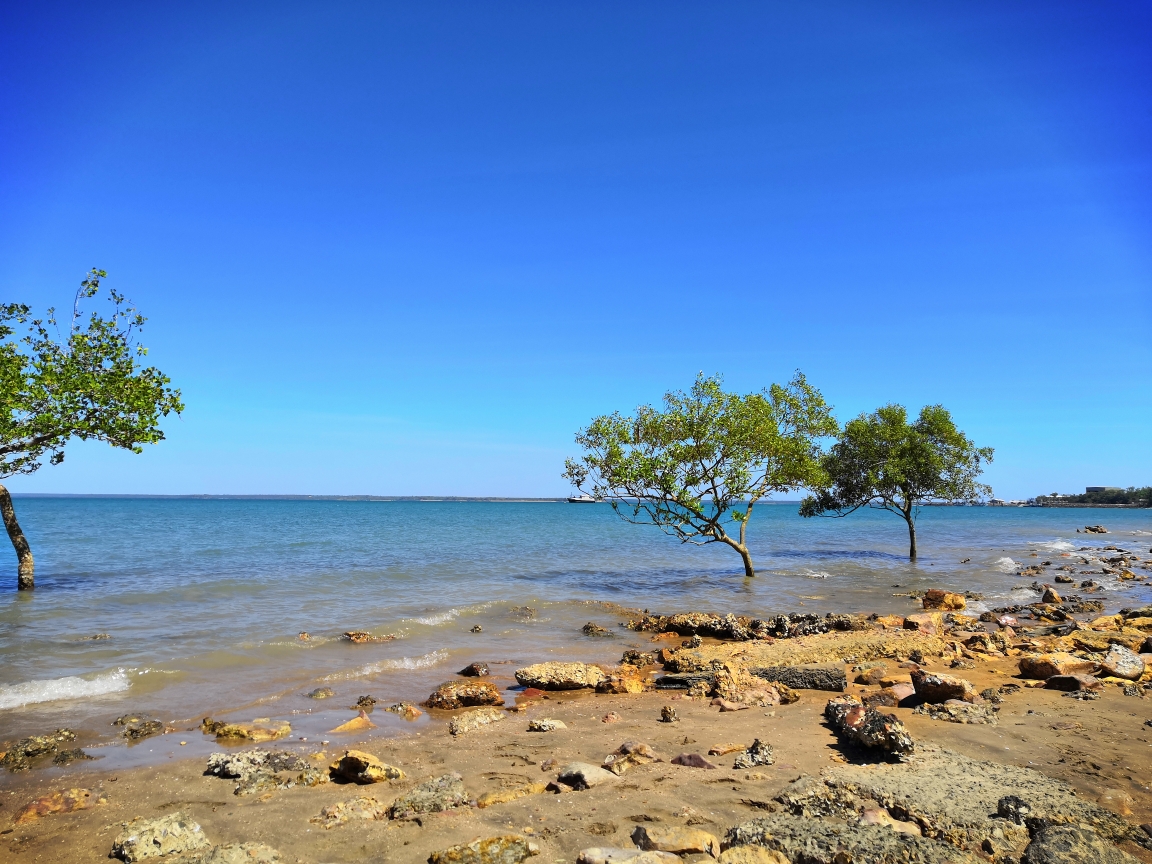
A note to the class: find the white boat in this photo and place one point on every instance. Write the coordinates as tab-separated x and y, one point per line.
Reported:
581	499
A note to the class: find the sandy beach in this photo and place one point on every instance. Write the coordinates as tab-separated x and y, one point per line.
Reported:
1091	752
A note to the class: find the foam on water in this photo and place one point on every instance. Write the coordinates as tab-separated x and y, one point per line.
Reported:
1056	545
1005	565
424	661
442	618
72	687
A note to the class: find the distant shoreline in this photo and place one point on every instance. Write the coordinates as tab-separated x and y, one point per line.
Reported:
416	498
466	499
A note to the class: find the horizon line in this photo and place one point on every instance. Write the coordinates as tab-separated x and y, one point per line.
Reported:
305	497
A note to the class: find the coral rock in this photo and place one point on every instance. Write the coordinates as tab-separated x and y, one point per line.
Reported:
361	767
946	600
506	849
560	676
153	838
674	839
465	694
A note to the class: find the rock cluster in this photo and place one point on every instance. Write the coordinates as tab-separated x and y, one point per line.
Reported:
964	802
19	756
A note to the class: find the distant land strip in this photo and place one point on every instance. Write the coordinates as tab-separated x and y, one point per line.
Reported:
424	498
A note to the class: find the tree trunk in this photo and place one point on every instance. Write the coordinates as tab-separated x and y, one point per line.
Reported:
24	570
911	539
749	570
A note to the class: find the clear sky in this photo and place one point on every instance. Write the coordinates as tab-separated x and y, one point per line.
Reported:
410	248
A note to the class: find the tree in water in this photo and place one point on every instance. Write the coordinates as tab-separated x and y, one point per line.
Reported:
883	461
697	468
90	386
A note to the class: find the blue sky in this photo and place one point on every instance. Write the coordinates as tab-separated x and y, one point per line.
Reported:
411	248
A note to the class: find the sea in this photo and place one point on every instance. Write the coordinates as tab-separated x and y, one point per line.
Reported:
199	603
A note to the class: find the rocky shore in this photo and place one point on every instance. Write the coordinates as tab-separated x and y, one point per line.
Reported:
1020	735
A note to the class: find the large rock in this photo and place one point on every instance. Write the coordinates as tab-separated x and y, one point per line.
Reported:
434	796
20	755
946	600
262	730
626	679
241	763
851	647
1071	683
675	839
935	687
1099	642
1067	844
758	754
809	676
506	849
867	727
361	767
581	775
814	841
927	623
546	724
173	834
1120	662
474	720
465	694
1041	667
560	676
953	798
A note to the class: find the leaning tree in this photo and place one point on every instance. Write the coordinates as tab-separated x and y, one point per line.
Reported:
697	468
89	385
884	462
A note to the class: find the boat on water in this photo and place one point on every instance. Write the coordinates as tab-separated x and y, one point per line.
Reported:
581	499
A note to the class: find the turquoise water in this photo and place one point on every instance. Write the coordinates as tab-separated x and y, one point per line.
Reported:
203	599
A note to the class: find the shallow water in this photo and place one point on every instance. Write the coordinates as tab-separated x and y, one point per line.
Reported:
203	599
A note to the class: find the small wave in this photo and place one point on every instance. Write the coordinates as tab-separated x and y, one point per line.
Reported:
72	687
815	574
1005	565
1056	545
442	618
424	661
